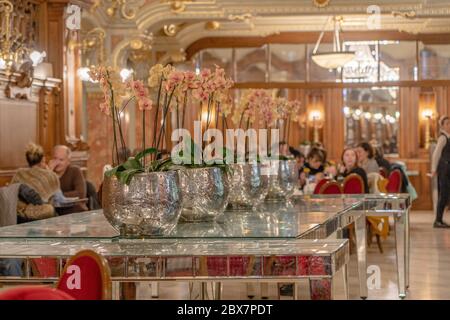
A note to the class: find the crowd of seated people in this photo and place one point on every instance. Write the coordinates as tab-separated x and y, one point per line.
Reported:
364	160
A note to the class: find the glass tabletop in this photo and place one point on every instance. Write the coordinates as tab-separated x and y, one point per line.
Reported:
272	220
170	247
372	203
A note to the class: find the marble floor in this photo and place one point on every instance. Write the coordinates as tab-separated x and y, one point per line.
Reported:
429	278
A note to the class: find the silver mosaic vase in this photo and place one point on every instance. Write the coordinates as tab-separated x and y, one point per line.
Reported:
248	187
283	179
149	206
205	194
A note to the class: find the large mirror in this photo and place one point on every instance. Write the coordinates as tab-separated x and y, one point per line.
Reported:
372	115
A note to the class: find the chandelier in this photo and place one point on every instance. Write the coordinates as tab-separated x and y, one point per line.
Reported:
336	58
15	37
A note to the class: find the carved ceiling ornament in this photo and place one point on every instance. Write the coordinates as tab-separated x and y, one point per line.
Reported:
126	9
212	25
321	3
408	15
177	6
92	41
246	18
171	30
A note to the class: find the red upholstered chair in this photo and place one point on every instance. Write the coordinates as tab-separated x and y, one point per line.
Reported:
353	184
395	182
86	276
44	267
331	187
34	293
383	172
319	185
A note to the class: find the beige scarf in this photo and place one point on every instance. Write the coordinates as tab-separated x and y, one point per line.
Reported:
43	181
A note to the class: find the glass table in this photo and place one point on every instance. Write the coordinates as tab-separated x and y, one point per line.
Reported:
302	218
396	206
276	224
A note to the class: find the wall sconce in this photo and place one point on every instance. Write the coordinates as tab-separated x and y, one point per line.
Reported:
427	115
427	105
315	116
315	109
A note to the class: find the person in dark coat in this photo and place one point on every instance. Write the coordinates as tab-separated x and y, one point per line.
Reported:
440	167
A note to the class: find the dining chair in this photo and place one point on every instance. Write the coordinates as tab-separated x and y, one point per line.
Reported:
331	187
395	182
353	184
383	172
319	185
34	293
86	276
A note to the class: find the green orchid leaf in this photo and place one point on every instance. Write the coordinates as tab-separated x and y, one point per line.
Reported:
126	176
144	153
114	171
132	163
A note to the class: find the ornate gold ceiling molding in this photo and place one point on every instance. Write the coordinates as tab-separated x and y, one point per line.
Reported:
177	6
406	15
171	30
321	3
194	32
114	9
151	16
212	25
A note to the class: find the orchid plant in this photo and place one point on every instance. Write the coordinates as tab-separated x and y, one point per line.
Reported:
168	91
271	113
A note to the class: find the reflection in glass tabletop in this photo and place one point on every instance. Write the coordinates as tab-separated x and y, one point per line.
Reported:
272	220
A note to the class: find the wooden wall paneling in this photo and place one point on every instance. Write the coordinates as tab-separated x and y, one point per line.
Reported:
441	101
333	132
18	127
55	55
408	139
43	27
448	99
47	119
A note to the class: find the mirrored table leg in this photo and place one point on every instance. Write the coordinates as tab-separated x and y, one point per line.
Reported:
408	248
115	290
361	244
251	289
217	290
264	290
400	253
155	289
345	280
203	290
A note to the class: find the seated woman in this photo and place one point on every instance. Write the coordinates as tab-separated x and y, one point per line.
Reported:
366	158
313	169
350	165
381	161
42	180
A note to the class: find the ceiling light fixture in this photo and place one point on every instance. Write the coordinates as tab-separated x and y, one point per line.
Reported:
336	58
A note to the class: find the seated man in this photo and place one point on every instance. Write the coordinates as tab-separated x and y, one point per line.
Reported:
71	178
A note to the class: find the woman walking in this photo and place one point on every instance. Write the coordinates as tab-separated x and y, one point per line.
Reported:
440	166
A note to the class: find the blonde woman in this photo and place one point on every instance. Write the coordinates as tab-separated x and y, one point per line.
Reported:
42	180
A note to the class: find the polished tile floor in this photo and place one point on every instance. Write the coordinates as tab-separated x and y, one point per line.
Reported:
429	278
